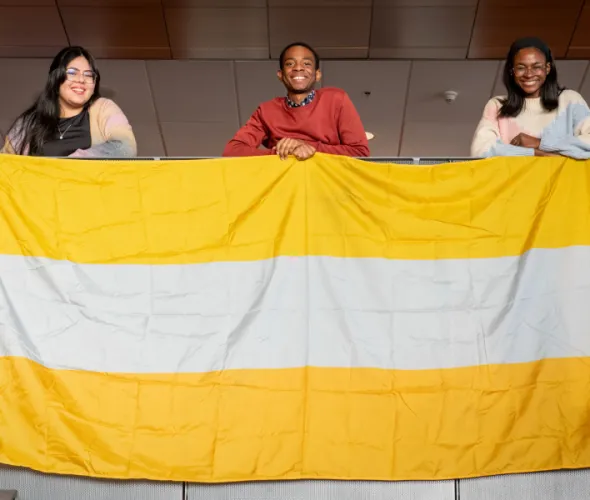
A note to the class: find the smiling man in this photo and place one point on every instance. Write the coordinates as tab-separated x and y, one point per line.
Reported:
306	120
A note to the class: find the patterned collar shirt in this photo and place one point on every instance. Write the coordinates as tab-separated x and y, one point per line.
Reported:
305	101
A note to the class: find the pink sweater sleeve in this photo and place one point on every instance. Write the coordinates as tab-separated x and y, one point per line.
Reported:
488	141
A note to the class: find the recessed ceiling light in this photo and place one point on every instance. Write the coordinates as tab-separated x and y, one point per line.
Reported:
369	136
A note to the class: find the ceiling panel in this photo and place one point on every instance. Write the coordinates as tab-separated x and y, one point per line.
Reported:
194	91
570	75
29	75
206	33
27	31
580	44
149	138
430	139
496	27
320	3
27	3
335	32
107	3
425	3
378	91
531	3
585	85
256	82
214	3
421	32
118	32
127	83
338	29
202	139
473	80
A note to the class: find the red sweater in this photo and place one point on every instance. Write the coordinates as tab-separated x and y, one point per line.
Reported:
330	123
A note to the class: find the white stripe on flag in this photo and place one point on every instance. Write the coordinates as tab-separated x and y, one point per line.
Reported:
293	312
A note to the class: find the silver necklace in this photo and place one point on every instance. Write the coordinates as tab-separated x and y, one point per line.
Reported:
61	135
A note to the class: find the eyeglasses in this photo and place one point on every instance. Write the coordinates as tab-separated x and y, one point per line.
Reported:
73	75
535	70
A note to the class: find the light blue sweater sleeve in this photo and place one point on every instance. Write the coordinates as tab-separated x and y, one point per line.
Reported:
569	133
501	149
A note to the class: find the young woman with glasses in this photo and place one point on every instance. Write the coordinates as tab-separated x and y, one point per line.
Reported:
537	117
70	118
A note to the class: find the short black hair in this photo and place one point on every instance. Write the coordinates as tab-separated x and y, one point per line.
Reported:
299	44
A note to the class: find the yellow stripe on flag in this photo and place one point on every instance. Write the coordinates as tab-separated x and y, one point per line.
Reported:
297	423
180	212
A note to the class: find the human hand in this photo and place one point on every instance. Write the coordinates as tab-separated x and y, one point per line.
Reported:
286	146
304	152
526	141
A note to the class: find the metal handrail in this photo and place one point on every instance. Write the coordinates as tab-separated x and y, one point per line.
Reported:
406	160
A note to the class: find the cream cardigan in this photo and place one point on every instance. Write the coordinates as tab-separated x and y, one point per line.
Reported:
110	133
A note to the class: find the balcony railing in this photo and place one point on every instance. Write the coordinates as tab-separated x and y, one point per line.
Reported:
404	160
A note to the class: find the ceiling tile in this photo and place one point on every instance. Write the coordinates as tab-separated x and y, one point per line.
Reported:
118	32
214	3
419	32
191	91
27	3
19	92
425	3
108	3
5	124
531	3
381	110
580	44
334	32
473	80
570	74
197	139
424	139
585	86
149	139
320	3
497	27
257	82
30	32
126	82
218	33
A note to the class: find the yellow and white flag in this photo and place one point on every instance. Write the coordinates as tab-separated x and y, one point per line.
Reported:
250	319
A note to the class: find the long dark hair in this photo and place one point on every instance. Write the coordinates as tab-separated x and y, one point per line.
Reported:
39	122
513	104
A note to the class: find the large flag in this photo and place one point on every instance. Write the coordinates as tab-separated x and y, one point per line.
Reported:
249	319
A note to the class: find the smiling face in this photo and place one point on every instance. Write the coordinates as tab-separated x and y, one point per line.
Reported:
530	71
298	72
77	88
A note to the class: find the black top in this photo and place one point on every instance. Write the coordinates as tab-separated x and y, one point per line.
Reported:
74	133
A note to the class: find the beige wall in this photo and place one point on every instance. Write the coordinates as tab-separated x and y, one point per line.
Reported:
192	108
